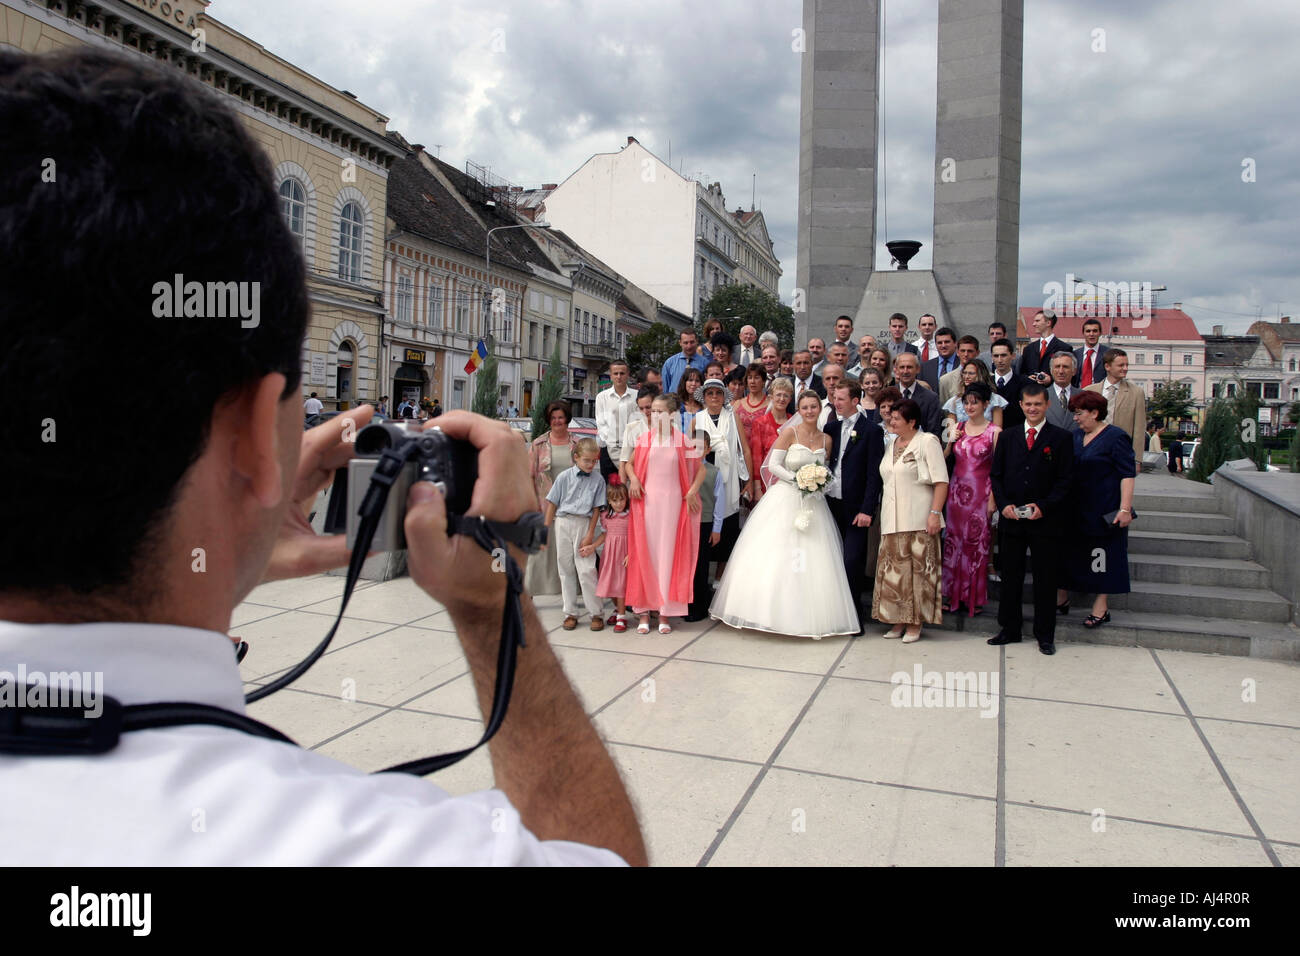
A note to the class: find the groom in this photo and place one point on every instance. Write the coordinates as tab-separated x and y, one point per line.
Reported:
854	494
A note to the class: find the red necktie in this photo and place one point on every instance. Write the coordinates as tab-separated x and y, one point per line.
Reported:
1042	350
1086	380
1029	438
925	352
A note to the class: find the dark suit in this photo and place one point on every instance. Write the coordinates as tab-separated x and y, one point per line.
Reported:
860	486
1058	415
897	350
1030	362
815	383
930	373
1011	415
931	410
1098	366
1040	476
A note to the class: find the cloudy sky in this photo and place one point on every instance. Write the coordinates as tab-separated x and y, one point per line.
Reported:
1132	161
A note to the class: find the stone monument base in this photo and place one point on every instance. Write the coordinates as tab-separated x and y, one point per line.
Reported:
911	292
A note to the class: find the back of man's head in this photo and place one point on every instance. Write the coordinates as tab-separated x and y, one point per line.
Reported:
120	178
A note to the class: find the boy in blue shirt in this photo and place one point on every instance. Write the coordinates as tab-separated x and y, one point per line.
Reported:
572	509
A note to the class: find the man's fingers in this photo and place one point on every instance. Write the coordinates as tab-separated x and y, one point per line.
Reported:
325	446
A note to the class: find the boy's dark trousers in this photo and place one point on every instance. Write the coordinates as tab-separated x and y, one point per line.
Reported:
701	593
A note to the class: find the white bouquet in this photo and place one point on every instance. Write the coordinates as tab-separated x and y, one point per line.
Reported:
811	479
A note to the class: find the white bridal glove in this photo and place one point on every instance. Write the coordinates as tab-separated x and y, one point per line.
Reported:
776	465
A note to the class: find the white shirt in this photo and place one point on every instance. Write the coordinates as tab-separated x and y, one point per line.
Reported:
612	414
312	406
631	432
200	795
833	489
747	359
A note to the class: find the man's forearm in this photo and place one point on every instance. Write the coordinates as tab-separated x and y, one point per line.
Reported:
547	757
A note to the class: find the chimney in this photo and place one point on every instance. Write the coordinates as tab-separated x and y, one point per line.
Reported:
1218	330
417	147
1178	306
1285	320
632	139
550	186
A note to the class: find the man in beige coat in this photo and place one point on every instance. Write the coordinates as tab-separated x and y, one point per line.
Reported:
1127	405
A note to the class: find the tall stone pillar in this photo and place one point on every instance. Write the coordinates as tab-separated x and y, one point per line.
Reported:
837	160
977	161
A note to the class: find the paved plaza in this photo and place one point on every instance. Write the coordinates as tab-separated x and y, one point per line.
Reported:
747	749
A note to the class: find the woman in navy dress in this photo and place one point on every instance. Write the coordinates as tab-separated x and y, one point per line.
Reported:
1104	475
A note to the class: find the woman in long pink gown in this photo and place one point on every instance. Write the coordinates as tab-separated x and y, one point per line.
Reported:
663	537
967	545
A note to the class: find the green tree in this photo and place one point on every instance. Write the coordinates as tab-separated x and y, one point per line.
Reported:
488	390
1293	413
653	346
1231	432
1172	402
738	305
551	388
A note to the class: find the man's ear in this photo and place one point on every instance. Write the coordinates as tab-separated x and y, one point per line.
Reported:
252	422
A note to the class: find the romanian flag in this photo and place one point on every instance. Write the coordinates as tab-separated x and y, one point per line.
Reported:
476	358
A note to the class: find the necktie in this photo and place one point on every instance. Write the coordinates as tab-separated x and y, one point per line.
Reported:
1065	402
907	393
1086	378
1029	438
1042	349
1001	382
1110	392
925	352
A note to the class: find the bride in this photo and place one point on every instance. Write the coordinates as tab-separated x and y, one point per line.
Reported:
786	573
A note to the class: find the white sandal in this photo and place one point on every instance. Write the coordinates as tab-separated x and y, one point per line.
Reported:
643	627
664	627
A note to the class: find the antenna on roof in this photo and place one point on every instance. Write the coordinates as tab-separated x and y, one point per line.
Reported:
438	147
753	191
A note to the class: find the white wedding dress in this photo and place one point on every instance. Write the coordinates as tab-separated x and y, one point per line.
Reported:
781	579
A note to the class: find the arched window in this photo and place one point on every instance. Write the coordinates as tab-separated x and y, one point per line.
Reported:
345	379
1292	365
350	231
293	206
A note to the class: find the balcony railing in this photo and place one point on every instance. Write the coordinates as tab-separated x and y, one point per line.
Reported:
602	349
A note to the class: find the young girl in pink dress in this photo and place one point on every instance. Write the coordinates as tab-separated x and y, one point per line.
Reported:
612	582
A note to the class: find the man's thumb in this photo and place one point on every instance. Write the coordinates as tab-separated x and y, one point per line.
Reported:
426	515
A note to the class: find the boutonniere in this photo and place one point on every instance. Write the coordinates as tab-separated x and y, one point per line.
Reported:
1047	451
853	436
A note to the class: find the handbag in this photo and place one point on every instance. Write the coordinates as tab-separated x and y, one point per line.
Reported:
923	475
1110	518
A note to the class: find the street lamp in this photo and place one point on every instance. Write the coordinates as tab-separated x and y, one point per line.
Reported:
487	255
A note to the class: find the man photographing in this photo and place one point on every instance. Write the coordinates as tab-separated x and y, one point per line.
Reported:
131	545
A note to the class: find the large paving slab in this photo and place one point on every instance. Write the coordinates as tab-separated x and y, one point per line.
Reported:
741	749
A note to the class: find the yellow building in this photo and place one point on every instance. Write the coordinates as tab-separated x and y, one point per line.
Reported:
330	157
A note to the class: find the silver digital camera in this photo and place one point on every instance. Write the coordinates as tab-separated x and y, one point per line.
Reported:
450	464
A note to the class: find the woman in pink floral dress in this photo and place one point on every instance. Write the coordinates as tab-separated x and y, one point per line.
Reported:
970	504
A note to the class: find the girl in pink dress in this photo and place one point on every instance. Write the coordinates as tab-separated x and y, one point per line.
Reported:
970	503
612	582
664	528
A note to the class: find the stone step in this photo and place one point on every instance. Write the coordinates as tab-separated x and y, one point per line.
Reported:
1193	502
1187	545
1175	632
1184	522
1206	601
1196	570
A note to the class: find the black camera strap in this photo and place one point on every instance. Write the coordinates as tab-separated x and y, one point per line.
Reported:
46	731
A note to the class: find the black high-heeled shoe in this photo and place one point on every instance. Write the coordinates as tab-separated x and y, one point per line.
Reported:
1063	608
1093	620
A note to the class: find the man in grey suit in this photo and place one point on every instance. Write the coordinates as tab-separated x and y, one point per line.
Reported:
1061	391
897	343
906	369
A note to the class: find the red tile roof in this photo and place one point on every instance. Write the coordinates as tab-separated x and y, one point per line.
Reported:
1165	325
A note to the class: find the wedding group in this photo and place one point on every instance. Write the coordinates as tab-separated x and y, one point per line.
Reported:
812	503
